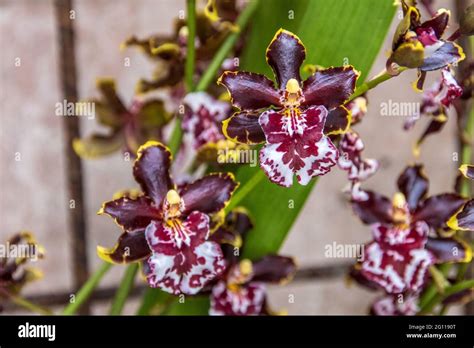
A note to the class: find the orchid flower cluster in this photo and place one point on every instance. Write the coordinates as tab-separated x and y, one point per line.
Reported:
187	231
182	232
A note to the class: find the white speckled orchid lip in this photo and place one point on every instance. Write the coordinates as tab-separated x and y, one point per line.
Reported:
183	261
296	145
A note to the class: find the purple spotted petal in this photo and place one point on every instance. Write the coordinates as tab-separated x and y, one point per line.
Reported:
397	260
296	145
350	158
248	299
395	305
203	117
183	261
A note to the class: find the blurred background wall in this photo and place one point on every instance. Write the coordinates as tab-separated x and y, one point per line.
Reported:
32	190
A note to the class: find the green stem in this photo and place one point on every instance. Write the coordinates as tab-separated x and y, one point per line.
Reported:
177	133
448	291
245	190
87	289
373	83
211	71
124	289
431	291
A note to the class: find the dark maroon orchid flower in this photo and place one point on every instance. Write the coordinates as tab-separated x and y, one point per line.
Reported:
463	220
242	290
202	118
420	45
203	122
401	251
304	112
169	51
169	226
435	104
14	272
357	168
128	126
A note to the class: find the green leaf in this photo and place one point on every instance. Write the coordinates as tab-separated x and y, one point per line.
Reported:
154	301
194	305
334	33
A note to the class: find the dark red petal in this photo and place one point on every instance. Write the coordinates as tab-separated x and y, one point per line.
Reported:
131	213
243	127
448	53
449	250
356	275
209	194
436	210
377	208
108	90
249	91
438	23
413	183
131	247
337	121
330	87
435	126
285	55
420	81
239	221
151	170
225	236
464	219
274	269
236	224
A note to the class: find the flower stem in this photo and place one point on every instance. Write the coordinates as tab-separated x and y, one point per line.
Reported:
22	302
450	290
211	71
245	190
87	289
373	83
177	133
124	289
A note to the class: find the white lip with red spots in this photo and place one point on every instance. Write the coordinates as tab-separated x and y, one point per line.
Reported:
183	261
296	145
397	260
